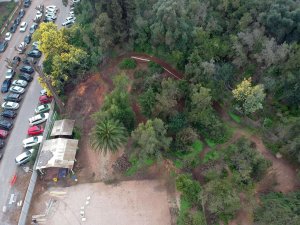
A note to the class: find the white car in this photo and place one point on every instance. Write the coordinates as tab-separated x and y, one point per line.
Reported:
71	18
17	89
38	119
10	105
9	74
24	157
8	36
67	23
22	47
32	141
21	83
35	44
72	13
75	1
51	16
51	10
51	7
23	26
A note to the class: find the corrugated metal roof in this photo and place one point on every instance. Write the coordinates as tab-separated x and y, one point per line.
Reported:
63	127
59	152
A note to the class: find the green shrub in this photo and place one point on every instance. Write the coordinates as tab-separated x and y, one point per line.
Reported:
210	143
210	156
127	64
155	68
235	117
198	146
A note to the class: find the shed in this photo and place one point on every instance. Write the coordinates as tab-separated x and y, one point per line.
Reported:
59	153
63	128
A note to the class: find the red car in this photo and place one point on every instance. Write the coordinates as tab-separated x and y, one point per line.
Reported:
3	133
44	99
35	130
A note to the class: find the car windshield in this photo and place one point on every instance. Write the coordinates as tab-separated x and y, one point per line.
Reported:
35	139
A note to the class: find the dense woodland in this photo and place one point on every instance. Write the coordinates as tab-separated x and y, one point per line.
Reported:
240	55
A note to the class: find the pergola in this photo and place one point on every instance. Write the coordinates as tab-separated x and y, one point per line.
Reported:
59	153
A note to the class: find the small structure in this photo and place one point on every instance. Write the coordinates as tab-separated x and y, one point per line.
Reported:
63	128
57	153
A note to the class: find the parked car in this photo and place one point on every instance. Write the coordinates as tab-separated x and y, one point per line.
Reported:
35	54
21	13
38	15
3	134
27	3
14	62
23	26
35	130
8	36
33	28
10	73
22	47
5	124
32	141
51	7
25	76
43	92
48	19
51	16
35	45
21	83
13	97
27	39
38	119
25	156
17	21
17	89
10	105
3	46
67	23
13	28
5	85
75	1
42	108
9	113
2	143
45	99
27	69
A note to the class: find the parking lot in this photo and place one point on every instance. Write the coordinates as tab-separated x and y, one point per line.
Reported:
14	145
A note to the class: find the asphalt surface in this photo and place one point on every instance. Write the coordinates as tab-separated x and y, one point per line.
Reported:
14	147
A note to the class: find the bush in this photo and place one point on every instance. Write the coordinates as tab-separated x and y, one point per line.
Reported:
210	156
155	68
127	64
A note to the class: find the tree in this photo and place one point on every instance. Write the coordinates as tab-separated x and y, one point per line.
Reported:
190	189
282	20
117	104
166	100
221	198
108	136
278	209
249	98
147	102
185	138
201	101
150	139
62	60
169	27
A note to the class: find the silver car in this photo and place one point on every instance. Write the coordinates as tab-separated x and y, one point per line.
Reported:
24	157
10	105
17	89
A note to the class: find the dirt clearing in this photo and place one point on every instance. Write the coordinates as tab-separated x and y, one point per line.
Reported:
126	203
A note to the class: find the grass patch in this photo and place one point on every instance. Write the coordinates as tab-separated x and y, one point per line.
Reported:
183	211
6	9
211	156
235	117
198	146
189	157
135	166
210	143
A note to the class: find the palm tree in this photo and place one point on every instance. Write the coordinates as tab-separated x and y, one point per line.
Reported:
108	136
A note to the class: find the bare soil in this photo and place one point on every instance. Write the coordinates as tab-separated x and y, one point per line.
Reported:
131	202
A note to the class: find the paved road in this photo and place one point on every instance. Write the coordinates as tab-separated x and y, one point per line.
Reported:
30	101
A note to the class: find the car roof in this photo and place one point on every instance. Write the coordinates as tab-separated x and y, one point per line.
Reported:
23	155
